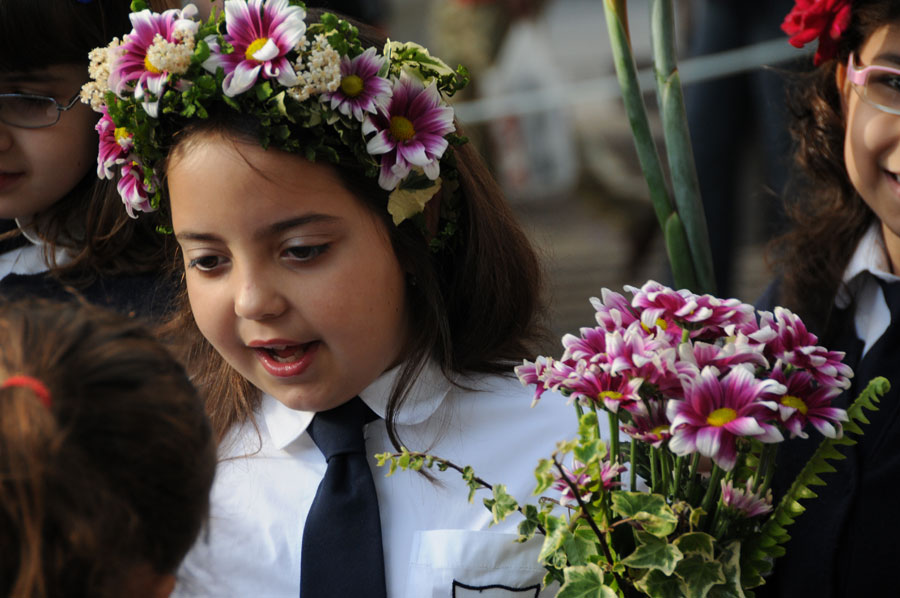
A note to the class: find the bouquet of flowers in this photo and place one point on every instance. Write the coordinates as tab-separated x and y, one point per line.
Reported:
703	390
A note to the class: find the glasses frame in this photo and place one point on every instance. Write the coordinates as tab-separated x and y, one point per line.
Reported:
859	76
60	108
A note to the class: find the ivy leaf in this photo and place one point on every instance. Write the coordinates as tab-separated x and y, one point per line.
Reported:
589	446
699	575
650	510
581	544
659	585
502	504
731	568
410	198
653	553
585	582
696	543
556	530
529	525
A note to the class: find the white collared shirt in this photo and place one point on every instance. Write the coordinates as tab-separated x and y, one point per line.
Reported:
28	259
869	261
436	544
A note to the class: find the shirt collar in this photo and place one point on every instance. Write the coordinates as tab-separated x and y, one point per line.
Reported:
869	257
428	392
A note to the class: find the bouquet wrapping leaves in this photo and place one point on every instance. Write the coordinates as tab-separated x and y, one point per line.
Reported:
678	503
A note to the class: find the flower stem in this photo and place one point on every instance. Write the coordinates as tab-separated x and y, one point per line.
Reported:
713	490
767	463
654	470
613	437
692	479
676	483
632	467
679	153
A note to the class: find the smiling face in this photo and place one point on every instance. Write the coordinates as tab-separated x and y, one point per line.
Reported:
290	277
872	140
39	166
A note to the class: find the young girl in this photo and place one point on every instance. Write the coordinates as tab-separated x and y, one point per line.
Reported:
339	242
62	232
840	264
106	457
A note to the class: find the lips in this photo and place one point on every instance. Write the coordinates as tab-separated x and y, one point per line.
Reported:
8	179
284	359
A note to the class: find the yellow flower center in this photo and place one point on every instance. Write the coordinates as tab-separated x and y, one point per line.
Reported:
255	47
352	85
121	133
658	431
720	417
610	394
149	67
659	322
401	128
795	402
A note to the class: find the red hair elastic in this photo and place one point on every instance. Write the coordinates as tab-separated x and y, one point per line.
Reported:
36	386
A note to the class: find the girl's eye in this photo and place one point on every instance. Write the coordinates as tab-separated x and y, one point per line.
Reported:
206	263
305	253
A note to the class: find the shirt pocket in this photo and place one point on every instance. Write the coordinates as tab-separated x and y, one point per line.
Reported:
474	564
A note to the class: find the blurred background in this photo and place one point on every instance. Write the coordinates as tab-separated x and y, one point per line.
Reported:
544	109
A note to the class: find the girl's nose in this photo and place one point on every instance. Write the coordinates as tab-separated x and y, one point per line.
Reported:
258	299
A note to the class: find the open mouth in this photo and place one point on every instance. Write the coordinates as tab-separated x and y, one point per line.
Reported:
286	360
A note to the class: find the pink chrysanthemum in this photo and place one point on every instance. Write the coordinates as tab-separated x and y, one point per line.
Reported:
704	314
262	33
715	412
361	90
132	67
633	354
745	501
135	194
115	145
609	472
591	346
614	311
804	402
409	131
787	340
534	373
652	428
591	383
723	357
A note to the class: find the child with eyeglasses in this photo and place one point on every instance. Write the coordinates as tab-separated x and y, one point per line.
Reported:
62	232
840	269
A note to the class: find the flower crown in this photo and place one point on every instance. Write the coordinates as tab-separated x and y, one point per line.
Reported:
260	57
823	19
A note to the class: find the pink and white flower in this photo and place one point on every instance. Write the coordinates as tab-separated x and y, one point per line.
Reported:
132	67
115	146
704	314
786	339
361	90
745	501
262	33
653	427
409	131
804	402
534	373
135	194
714	413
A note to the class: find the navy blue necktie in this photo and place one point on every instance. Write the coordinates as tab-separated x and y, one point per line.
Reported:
342	554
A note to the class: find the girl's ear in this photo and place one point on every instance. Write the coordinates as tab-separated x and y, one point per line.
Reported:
843	86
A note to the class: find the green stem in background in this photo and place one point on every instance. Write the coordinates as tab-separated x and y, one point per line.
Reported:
654	471
692	478
713	490
676	482
677	243
679	152
767	464
632	465
614	455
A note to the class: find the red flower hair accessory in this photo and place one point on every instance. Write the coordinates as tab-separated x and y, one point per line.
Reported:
823	19
33	384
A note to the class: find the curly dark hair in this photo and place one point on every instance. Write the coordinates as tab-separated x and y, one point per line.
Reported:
828	217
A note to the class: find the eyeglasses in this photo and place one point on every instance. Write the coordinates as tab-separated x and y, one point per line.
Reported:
878	86
30	111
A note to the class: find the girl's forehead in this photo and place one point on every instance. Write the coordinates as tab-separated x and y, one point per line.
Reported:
883	43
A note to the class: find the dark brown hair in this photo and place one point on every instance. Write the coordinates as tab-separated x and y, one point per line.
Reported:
115	474
827	214
474	305
89	220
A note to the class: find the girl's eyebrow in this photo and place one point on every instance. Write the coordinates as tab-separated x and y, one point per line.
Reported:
888	57
275	228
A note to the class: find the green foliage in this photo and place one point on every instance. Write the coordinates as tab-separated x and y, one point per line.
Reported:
585	582
760	548
649	510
